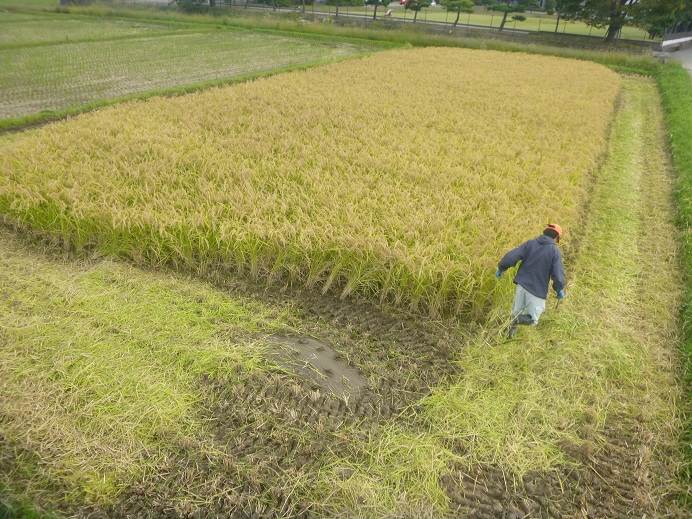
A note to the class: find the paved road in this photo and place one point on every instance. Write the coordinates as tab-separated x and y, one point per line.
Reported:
684	56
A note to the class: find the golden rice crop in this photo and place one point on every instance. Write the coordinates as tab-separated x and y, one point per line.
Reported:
400	176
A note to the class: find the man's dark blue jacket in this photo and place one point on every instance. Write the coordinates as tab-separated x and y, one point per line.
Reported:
540	261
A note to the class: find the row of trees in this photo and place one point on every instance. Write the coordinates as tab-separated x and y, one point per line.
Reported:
457	6
655	16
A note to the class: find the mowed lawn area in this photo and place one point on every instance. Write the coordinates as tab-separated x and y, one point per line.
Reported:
534	21
51	62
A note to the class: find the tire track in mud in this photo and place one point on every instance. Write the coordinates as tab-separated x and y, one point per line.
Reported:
607	481
274	428
399	358
612	478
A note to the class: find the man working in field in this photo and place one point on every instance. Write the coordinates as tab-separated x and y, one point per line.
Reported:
540	261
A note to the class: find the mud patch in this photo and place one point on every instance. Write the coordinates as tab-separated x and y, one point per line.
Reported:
612	478
318	362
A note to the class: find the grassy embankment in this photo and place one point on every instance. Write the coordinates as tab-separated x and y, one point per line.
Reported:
409	226
676	93
100	371
603	363
404	36
534	21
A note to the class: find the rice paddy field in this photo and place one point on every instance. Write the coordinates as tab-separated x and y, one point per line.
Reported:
277	299
254	190
23	29
59	62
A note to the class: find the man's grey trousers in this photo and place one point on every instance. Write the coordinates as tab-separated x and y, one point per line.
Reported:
526	303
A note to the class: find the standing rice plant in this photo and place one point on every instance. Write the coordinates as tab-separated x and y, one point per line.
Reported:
307	177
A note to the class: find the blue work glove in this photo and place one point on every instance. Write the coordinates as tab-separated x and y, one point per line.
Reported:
498	274
561	294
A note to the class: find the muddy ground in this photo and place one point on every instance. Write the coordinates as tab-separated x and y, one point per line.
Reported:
355	368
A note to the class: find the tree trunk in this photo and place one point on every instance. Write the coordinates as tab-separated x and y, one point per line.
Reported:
456	20
616	20
374	13
557	24
504	19
415	15
613	30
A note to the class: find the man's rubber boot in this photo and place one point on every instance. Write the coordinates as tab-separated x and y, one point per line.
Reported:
524	319
514	325
513	329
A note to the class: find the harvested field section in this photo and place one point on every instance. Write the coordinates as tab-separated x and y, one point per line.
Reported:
100	367
55	77
123	391
312	178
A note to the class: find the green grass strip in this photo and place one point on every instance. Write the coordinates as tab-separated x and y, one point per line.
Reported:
676	92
